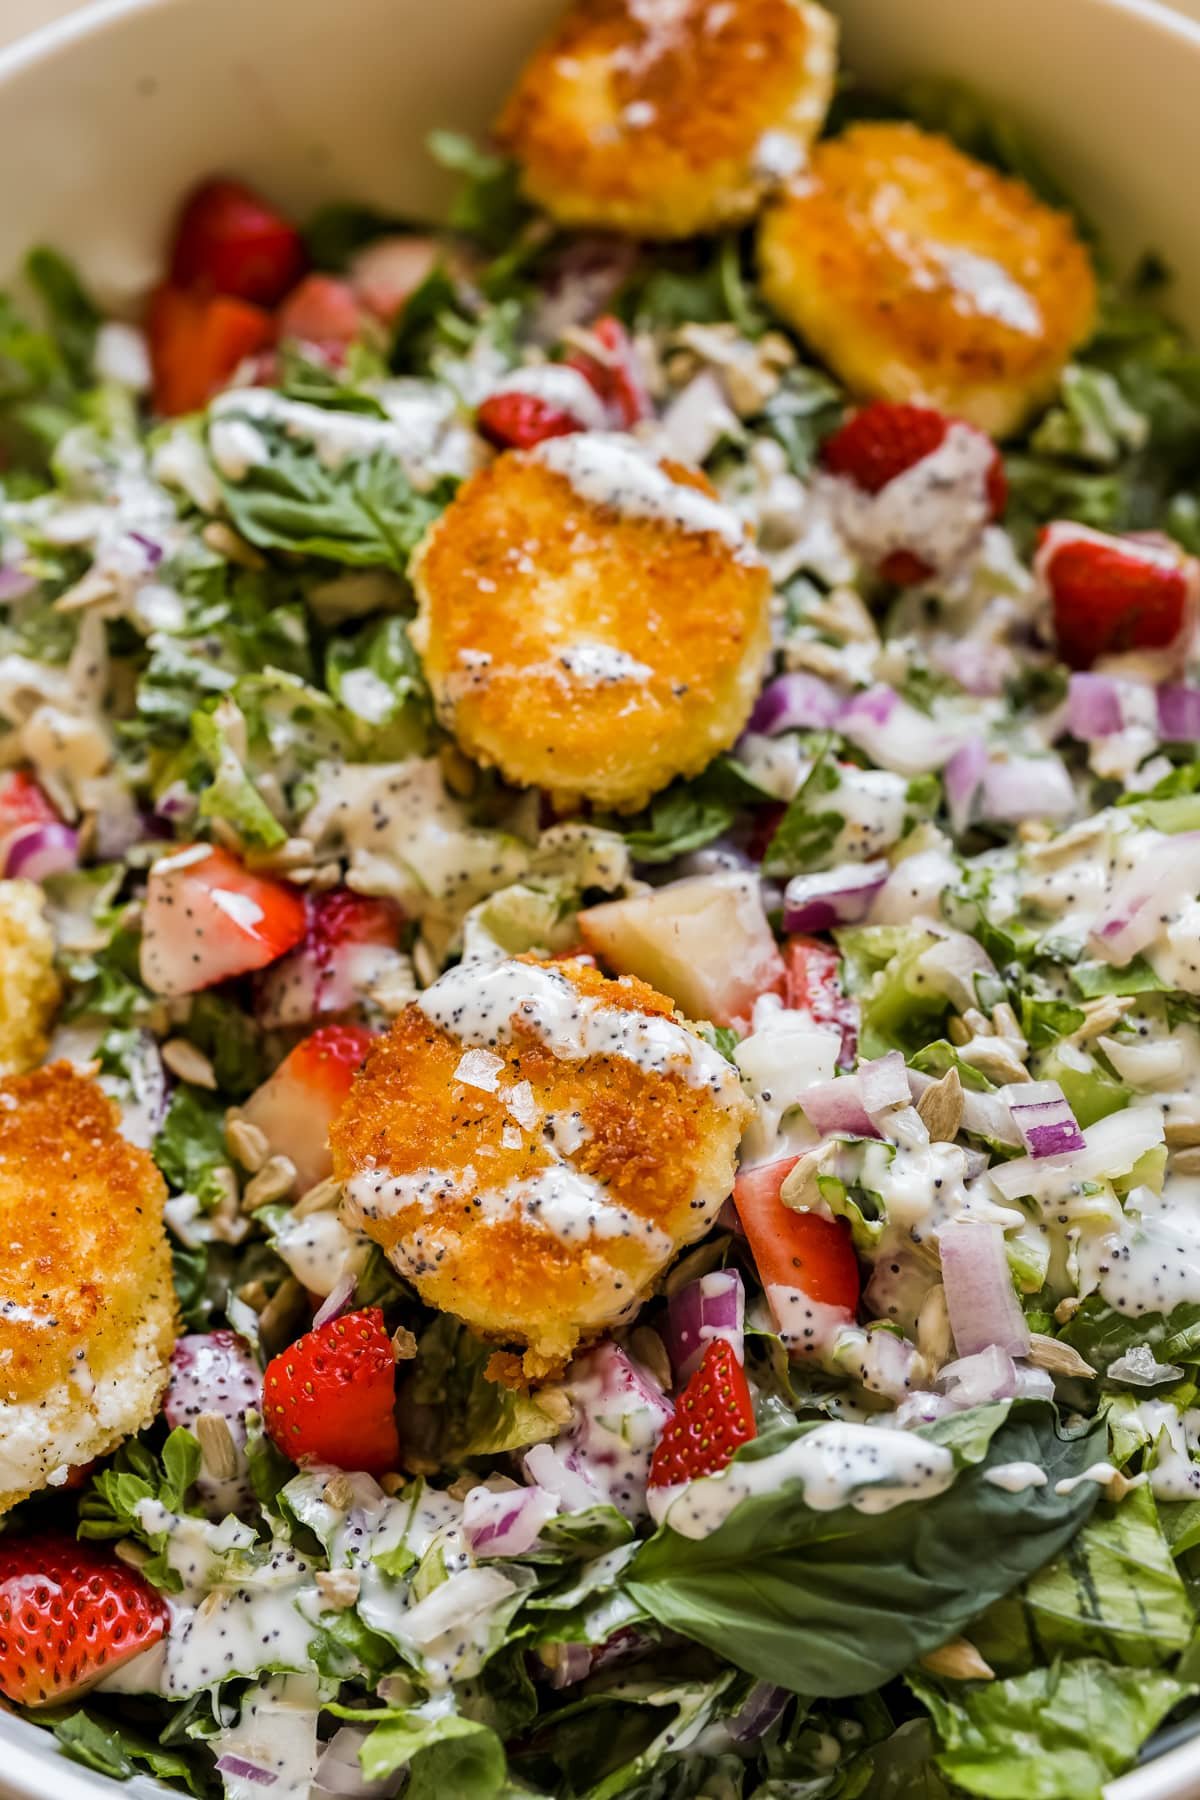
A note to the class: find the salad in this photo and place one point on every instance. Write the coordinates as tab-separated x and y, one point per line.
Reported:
600	966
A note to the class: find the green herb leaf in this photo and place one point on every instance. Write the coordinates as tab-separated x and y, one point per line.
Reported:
876	1591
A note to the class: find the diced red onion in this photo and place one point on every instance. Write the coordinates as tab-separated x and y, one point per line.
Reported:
1178	713
697	419
762	1706
15	584
246	1771
506	1523
619	1412
962	779
37	851
339	1300
894	734
339	1771
1093	707
176	803
832	897
1110	1147
712	1307
152	551
568	1663
883	1083
1168	872
1027	787
975	1380
1045	1121
979	668
795	702
837	1106
984	1310
560	1473
951	966
1034	1384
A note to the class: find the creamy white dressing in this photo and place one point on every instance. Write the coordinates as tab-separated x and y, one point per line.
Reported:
1101	1473
597	665
1175	1476
1151	1263
937	509
1016	1477
560	386
872	1469
484	1006
609	470
420	430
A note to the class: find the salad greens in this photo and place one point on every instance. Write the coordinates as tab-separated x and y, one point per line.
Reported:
991	899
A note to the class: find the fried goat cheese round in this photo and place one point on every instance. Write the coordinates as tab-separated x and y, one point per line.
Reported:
531	1143
29	989
920	274
591	621
664	118
87	1303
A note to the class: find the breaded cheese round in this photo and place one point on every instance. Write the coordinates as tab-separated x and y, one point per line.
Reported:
531	1143
918	273
29	989
87	1303
591	621
663	118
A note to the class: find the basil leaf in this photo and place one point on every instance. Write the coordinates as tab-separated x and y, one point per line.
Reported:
874	1591
366	513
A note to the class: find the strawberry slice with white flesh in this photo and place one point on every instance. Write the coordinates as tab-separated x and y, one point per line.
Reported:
70	1614
207	919
350	943
295	1106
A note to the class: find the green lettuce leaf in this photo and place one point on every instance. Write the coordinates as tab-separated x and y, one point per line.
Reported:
113	1748
455	1411
1057	1733
875	1591
443	1756
230	794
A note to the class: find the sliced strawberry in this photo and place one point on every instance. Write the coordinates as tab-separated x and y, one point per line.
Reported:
519	421
229	241
615	376
714	1416
296	1105
69	1614
796	1252
1112	594
196	343
813	984
350	941
883	441
385	273
23	808
331	1396
207	919
321	310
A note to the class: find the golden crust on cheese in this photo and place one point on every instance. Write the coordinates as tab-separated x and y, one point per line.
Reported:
465	1225
583	649
87	1303
921	274
29	989
662	119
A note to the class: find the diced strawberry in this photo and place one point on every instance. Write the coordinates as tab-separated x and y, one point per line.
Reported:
320	310
331	1396
813	984
296	1105
69	1614
519	421
385	273
229	241
1112	594
615	376
196	343
207	919
350	941
714	1416
795	1251
883	441
23	807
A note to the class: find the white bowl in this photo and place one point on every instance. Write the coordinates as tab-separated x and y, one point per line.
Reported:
107	115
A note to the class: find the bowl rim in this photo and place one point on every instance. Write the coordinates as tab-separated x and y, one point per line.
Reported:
27	1752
